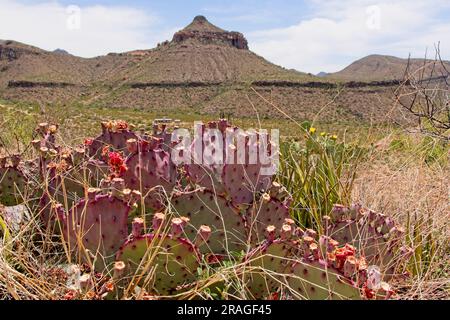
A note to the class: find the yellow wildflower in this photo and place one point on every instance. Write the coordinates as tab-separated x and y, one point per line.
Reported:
312	130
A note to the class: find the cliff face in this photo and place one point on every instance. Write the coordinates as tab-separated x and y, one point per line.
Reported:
203	31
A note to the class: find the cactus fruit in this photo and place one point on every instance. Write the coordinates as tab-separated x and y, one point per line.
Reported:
170	258
98	224
13	181
375	234
114	134
150	171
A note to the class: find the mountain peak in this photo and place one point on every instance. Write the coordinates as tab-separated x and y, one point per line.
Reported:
201	30
200	19
201	24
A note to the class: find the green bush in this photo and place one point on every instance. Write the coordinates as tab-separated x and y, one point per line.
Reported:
318	173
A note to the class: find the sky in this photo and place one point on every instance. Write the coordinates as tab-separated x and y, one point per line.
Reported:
308	35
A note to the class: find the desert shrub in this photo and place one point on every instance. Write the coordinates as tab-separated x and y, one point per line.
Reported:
318	173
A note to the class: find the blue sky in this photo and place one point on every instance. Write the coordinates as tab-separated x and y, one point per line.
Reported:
244	15
309	35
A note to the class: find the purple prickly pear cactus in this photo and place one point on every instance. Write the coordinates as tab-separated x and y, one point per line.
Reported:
202	207
114	135
150	171
204	169
98	224
51	213
308	268
161	132
246	175
175	258
230	161
327	271
47	132
67	175
375	234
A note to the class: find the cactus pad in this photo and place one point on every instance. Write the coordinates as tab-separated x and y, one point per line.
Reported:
12	185
245	176
174	261
314	280
204	169
267	211
99	224
242	182
151	172
114	134
375	234
264	268
202	207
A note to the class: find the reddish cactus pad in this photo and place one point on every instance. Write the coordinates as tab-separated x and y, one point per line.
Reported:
151	172
114	134
98	224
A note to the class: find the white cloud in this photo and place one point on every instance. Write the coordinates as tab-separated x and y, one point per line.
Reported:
102	29
334	34
339	32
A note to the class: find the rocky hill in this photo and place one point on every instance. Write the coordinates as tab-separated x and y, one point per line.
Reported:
385	68
202	69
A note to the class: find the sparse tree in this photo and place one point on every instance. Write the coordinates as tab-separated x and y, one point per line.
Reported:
424	93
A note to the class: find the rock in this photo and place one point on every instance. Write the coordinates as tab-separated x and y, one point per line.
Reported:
14	216
8	53
61	51
203	31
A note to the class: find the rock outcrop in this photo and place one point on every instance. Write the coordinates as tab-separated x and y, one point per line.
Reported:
7	53
203	31
12	50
